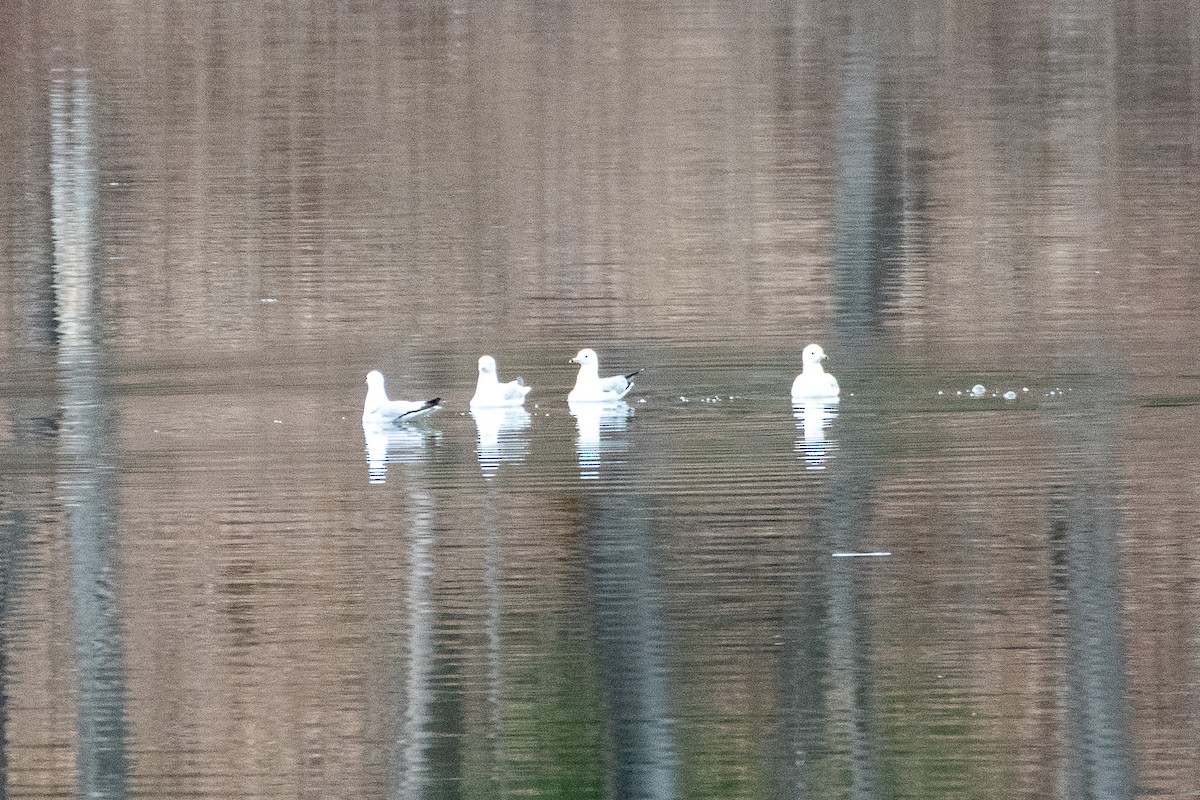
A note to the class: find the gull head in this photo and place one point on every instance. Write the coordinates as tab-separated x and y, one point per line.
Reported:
813	355
586	356
487	365
374	379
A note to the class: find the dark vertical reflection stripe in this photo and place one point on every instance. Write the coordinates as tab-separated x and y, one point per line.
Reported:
25	247
857	138
803	703
1096	719
493	627
87	446
631	634
14	533
846	510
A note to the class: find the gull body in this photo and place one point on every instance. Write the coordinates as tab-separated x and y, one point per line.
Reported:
590	387
814	382
378	408
491	393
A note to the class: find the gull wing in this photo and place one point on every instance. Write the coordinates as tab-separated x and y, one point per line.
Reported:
515	390
400	410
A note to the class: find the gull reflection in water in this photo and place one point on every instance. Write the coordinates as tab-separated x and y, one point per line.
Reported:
590	420
813	418
394	444
500	437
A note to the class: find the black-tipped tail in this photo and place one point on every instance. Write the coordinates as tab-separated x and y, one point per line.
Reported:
631	374
429	405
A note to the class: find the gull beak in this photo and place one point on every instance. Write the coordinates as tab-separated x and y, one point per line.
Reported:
573	361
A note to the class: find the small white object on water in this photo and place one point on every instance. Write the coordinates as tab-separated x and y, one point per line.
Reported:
1010	395
876	554
978	389
940	392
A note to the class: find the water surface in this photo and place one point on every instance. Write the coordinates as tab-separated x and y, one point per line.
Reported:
217	220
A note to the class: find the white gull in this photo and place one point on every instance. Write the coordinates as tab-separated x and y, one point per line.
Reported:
813	381
378	408
590	387
491	393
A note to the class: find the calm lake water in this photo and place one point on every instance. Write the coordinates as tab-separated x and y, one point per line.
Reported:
216	218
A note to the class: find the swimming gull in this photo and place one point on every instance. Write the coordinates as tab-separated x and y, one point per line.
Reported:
813	381
378	408
491	393
590	387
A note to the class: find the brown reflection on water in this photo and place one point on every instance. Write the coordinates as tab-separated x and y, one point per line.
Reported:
949	175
